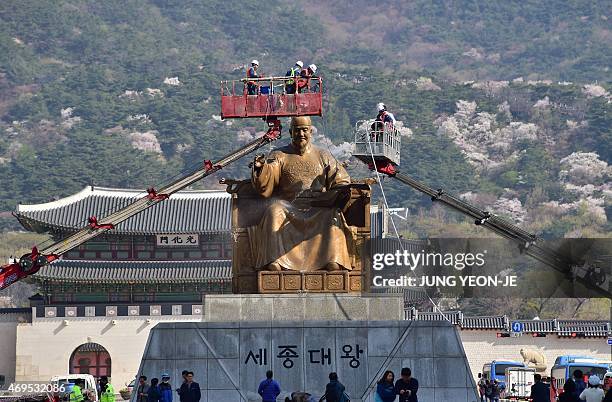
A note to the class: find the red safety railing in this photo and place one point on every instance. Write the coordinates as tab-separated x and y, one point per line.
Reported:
271	97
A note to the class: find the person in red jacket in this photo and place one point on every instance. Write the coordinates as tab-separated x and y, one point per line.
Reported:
305	76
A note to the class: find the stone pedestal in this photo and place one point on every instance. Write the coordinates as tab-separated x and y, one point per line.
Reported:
304	337
229	359
315	282
306	306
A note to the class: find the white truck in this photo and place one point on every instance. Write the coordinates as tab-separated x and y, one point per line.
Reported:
57	389
518	383
86	382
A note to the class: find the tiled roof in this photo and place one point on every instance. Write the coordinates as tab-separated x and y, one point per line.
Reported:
91	347
593	328
184	212
484	322
15	310
137	271
453	316
589	328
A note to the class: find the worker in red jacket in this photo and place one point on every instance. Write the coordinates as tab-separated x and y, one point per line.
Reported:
305	76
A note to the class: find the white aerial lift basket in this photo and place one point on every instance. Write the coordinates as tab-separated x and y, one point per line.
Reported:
377	139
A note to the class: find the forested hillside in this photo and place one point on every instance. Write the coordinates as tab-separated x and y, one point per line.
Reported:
498	101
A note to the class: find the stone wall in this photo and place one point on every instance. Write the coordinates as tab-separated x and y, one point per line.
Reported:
8	339
230	358
43	347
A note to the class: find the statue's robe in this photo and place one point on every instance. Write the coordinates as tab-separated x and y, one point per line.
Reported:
292	232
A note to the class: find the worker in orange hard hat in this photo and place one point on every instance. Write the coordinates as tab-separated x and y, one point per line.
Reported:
252	73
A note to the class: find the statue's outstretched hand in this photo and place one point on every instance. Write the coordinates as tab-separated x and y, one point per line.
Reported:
258	162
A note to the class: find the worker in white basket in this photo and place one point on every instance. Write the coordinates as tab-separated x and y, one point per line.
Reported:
383	119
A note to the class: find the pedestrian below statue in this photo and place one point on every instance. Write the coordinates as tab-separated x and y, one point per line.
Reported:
107	392
269	389
143	389
165	389
334	390
406	387
385	390
482	382
569	388
154	395
540	392
592	393
579	380
190	390
495	391
178	390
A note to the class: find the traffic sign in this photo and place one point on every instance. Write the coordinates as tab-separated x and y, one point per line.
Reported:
516	326
609	341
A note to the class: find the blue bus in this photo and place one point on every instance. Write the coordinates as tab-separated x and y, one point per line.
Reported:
496	370
566	365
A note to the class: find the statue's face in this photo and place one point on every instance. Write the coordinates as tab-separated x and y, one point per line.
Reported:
301	131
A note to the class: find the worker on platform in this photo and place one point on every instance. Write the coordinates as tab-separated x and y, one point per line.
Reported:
107	392
252	73
294	72
304	82
76	395
383	119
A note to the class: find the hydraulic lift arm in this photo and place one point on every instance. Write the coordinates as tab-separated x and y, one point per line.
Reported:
528	243
30	263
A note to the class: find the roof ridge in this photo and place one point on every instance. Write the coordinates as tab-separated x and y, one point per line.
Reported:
116	193
140	262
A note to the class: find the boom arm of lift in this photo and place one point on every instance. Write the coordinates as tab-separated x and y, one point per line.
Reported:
31	262
528	243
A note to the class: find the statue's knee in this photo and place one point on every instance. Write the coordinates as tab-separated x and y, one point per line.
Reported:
333	266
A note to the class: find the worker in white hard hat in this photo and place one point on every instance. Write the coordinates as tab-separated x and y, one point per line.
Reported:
252	73
305	83
384	119
293	72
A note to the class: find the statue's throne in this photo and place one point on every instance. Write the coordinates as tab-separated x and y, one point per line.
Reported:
247	210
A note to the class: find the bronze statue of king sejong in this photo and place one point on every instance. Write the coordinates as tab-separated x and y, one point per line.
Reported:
304	228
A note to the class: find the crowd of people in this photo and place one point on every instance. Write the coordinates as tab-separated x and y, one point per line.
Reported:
298	79
387	389
575	389
189	391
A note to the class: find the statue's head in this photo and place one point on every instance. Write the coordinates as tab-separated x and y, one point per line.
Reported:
301	131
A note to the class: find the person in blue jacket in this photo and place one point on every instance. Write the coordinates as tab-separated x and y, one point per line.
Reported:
386	387
269	388
165	389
